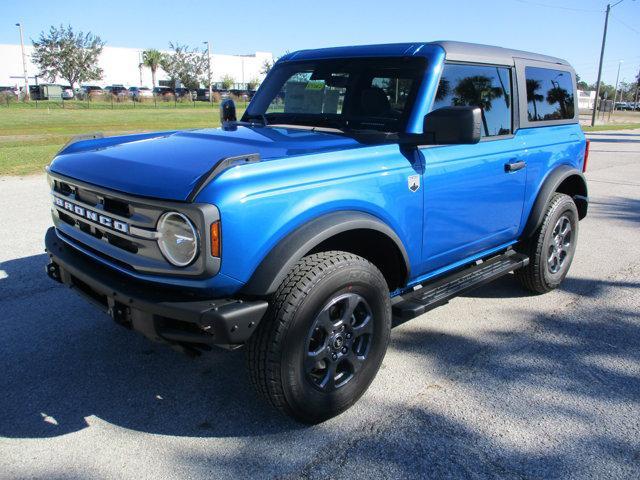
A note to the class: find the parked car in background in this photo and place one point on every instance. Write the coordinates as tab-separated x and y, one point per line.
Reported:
240	94
90	91
139	93
623	106
67	93
202	94
119	91
8	91
182	92
163	92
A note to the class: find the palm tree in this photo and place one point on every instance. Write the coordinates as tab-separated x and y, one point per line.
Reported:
151	58
560	96
532	97
477	91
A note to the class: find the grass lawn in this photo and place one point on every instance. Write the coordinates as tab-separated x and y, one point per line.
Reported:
612	126
29	137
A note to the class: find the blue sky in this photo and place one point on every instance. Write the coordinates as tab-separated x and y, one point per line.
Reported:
571	29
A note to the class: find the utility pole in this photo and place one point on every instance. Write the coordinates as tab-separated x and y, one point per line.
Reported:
24	64
209	69
604	41
615	92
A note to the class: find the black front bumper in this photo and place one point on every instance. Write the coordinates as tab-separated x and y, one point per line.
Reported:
161	313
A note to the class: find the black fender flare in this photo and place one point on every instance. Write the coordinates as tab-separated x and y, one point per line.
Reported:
281	259
548	188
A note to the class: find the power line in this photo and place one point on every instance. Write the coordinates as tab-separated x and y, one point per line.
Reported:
560	7
626	25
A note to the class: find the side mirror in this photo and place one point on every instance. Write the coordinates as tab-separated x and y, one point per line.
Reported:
227	111
453	125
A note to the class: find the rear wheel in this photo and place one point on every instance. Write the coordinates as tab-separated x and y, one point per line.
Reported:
552	246
324	338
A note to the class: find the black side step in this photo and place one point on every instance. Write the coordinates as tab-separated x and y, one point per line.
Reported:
413	304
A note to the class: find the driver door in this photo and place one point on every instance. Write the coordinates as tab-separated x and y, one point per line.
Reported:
473	194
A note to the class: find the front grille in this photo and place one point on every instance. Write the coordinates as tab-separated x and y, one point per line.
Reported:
121	228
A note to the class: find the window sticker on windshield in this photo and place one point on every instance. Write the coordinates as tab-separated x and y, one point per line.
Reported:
315	85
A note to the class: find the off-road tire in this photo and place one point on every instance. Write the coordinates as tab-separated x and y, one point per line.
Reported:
537	276
276	351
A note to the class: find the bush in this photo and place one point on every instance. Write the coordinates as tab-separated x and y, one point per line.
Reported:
7	97
216	97
227	82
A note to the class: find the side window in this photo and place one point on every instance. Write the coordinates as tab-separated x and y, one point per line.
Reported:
483	86
549	94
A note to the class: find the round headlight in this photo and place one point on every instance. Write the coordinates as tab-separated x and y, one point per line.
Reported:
177	239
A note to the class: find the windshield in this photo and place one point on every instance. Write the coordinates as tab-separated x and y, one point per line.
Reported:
356	93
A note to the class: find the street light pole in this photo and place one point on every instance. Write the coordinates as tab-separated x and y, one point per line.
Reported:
24	64
140	65
615	93
209	69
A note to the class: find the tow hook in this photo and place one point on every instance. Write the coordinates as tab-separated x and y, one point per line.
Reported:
53	271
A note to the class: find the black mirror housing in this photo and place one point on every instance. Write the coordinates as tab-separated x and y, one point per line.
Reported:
227	111
453	125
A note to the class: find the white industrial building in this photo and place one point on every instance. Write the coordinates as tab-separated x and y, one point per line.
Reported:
121	66
586	99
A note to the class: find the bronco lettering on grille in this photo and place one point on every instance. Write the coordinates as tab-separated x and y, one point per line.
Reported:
90	215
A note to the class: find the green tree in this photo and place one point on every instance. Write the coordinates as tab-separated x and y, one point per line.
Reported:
227	82
606	91
72	56
184	65
532	97
477	91
266	67
152	58
253	84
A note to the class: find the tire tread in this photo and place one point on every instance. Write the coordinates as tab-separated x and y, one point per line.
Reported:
265	346
529	276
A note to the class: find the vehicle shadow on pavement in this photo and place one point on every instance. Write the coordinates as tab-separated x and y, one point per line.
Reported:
563	388
64	363
617	208
508	287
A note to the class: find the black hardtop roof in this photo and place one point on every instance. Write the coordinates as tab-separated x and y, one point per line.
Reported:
475	52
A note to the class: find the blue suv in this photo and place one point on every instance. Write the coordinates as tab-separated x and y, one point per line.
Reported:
362	186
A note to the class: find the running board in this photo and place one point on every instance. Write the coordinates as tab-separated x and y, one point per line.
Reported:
417	302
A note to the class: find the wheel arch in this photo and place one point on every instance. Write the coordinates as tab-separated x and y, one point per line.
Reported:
352	231
563	179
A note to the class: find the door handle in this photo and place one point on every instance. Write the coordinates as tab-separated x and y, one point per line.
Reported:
514	166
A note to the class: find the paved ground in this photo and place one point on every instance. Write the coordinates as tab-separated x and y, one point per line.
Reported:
495	384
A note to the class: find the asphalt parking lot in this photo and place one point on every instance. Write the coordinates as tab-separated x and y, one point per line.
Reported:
496	384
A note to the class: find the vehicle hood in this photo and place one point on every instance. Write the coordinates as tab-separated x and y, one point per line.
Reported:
168	165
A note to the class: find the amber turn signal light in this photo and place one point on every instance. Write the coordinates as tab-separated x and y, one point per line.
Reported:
215	239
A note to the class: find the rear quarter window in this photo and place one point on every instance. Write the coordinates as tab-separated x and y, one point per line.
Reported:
549	94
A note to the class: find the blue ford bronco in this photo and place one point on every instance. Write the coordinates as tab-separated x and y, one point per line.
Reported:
362	186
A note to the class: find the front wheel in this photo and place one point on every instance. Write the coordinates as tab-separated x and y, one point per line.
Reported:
324	337
552	246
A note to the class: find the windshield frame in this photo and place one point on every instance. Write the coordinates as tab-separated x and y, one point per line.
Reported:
257	109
